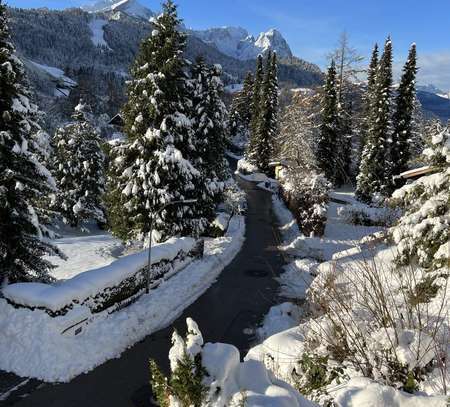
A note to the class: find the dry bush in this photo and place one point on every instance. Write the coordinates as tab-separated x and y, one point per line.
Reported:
387	324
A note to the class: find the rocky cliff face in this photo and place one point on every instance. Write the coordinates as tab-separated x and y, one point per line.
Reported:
236	42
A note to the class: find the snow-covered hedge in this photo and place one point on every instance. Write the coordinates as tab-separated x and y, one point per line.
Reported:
102	288
245	167
306	195
365	215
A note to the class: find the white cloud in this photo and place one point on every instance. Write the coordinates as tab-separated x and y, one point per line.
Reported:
434	68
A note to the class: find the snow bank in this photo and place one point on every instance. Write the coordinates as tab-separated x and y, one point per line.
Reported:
365	392
280	353
280	318
84	286
31	344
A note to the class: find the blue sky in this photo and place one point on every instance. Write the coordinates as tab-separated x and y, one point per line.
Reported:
312	27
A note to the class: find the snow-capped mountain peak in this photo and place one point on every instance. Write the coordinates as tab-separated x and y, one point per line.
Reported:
131	7
273	40
238	43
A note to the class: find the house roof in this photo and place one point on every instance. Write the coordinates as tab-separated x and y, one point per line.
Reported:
417	172
117	120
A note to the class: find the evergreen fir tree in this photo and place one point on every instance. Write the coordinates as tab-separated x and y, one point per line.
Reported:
375	166
24	182
403	118
344	142
327	145
422	233
368	99
210	133
156	167
118	220
78	166
268	122
240	111
255	110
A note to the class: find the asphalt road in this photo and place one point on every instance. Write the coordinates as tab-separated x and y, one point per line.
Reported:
238	300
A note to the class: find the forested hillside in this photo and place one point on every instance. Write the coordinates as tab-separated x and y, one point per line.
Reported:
96	50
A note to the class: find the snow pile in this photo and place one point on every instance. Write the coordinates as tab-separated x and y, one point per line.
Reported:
280	318
227	381
365	392
91	283
280	353
251	173
31	344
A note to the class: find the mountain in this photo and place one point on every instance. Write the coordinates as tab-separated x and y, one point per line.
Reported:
94	47
236	42
274	41
430	88
435	102
130	7
434	105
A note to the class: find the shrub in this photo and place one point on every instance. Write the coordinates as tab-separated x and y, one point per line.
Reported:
388	324
185	386
364	215
306	195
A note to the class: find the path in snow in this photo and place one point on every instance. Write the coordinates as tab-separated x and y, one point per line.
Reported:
243	294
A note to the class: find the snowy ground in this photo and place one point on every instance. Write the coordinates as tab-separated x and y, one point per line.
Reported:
31	344
84	253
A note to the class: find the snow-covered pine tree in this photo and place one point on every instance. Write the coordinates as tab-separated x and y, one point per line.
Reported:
24	182
373	178
268	122
328	143
240	110
255	110
403	118
344	142
210	133
118	220
157	165
368	100
78	165
422	233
